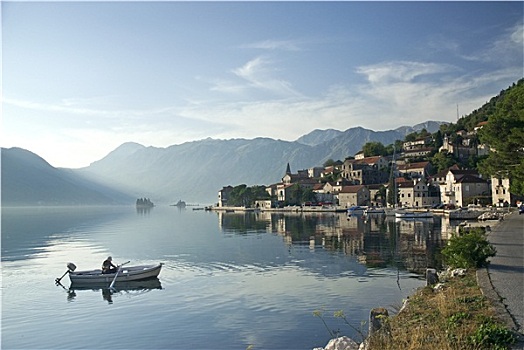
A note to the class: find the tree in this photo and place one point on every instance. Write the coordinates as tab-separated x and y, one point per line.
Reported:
392	197
504	133
371	149
329	162
242	195
295	192
438	139
411	137
309	196
442	161
392	148
468	250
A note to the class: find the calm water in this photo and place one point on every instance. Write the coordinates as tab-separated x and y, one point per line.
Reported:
229	280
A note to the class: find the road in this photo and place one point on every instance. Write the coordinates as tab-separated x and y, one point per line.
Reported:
506	270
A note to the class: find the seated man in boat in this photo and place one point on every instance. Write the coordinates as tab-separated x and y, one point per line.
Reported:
108	267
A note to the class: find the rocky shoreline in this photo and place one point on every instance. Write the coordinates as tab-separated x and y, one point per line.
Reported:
437	282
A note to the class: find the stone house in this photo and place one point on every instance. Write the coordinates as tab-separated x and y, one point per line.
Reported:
315	172
263	204
500	192
377	162
417	193
415	153
284	192
466	146
462	186
415	170
375	197
272	190
223	196
370	170
440	177
353	195
419	143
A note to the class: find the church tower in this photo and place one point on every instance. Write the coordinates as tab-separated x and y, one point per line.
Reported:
288	170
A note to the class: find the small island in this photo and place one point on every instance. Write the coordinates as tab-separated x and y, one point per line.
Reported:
180	204
144	203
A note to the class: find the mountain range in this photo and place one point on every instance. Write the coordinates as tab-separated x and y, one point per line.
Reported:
193	171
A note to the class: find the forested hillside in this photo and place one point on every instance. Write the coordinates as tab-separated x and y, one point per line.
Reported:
504	133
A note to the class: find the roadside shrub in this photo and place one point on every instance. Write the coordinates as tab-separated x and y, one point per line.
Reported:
492	336
468	250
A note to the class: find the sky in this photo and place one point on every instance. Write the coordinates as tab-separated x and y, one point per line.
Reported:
81	78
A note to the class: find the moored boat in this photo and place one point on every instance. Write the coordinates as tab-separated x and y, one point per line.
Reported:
355	210
125	274
408	214
374	210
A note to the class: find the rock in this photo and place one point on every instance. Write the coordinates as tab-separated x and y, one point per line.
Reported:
438	287
341	343
377	318
405	303
458	273
431	277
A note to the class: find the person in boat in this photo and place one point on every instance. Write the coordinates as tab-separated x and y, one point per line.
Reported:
108	267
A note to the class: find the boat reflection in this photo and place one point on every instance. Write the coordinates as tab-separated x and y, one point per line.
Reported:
129	287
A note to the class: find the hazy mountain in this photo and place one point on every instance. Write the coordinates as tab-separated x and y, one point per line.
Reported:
430	126
317	137
193	171
28	180
359	134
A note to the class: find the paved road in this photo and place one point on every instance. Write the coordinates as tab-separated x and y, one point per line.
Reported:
506	270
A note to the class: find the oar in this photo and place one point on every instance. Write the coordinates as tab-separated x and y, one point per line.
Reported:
70	267
116	274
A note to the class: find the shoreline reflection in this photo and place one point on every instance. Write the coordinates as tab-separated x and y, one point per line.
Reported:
374	240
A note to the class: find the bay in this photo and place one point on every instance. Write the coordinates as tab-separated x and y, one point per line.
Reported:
229	280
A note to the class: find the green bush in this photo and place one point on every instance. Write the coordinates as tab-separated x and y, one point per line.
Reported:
492	336
468	250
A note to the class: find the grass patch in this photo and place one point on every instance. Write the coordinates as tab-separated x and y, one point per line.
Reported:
457	317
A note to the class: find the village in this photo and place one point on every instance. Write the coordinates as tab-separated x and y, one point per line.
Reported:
368	181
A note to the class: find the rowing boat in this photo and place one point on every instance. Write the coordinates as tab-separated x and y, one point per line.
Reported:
131	273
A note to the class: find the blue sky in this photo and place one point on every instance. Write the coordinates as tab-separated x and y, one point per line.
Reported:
81	78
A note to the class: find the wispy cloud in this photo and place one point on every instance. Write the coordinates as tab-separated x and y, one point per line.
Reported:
286	45
259	73
505	49
400	71
74	106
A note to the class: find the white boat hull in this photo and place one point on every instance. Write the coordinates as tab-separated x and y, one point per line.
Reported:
413	215
132	273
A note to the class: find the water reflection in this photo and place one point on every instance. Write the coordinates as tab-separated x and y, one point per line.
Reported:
374	240
143	210
26	230
130	288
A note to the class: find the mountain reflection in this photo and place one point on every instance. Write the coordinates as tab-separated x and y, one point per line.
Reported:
375	241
